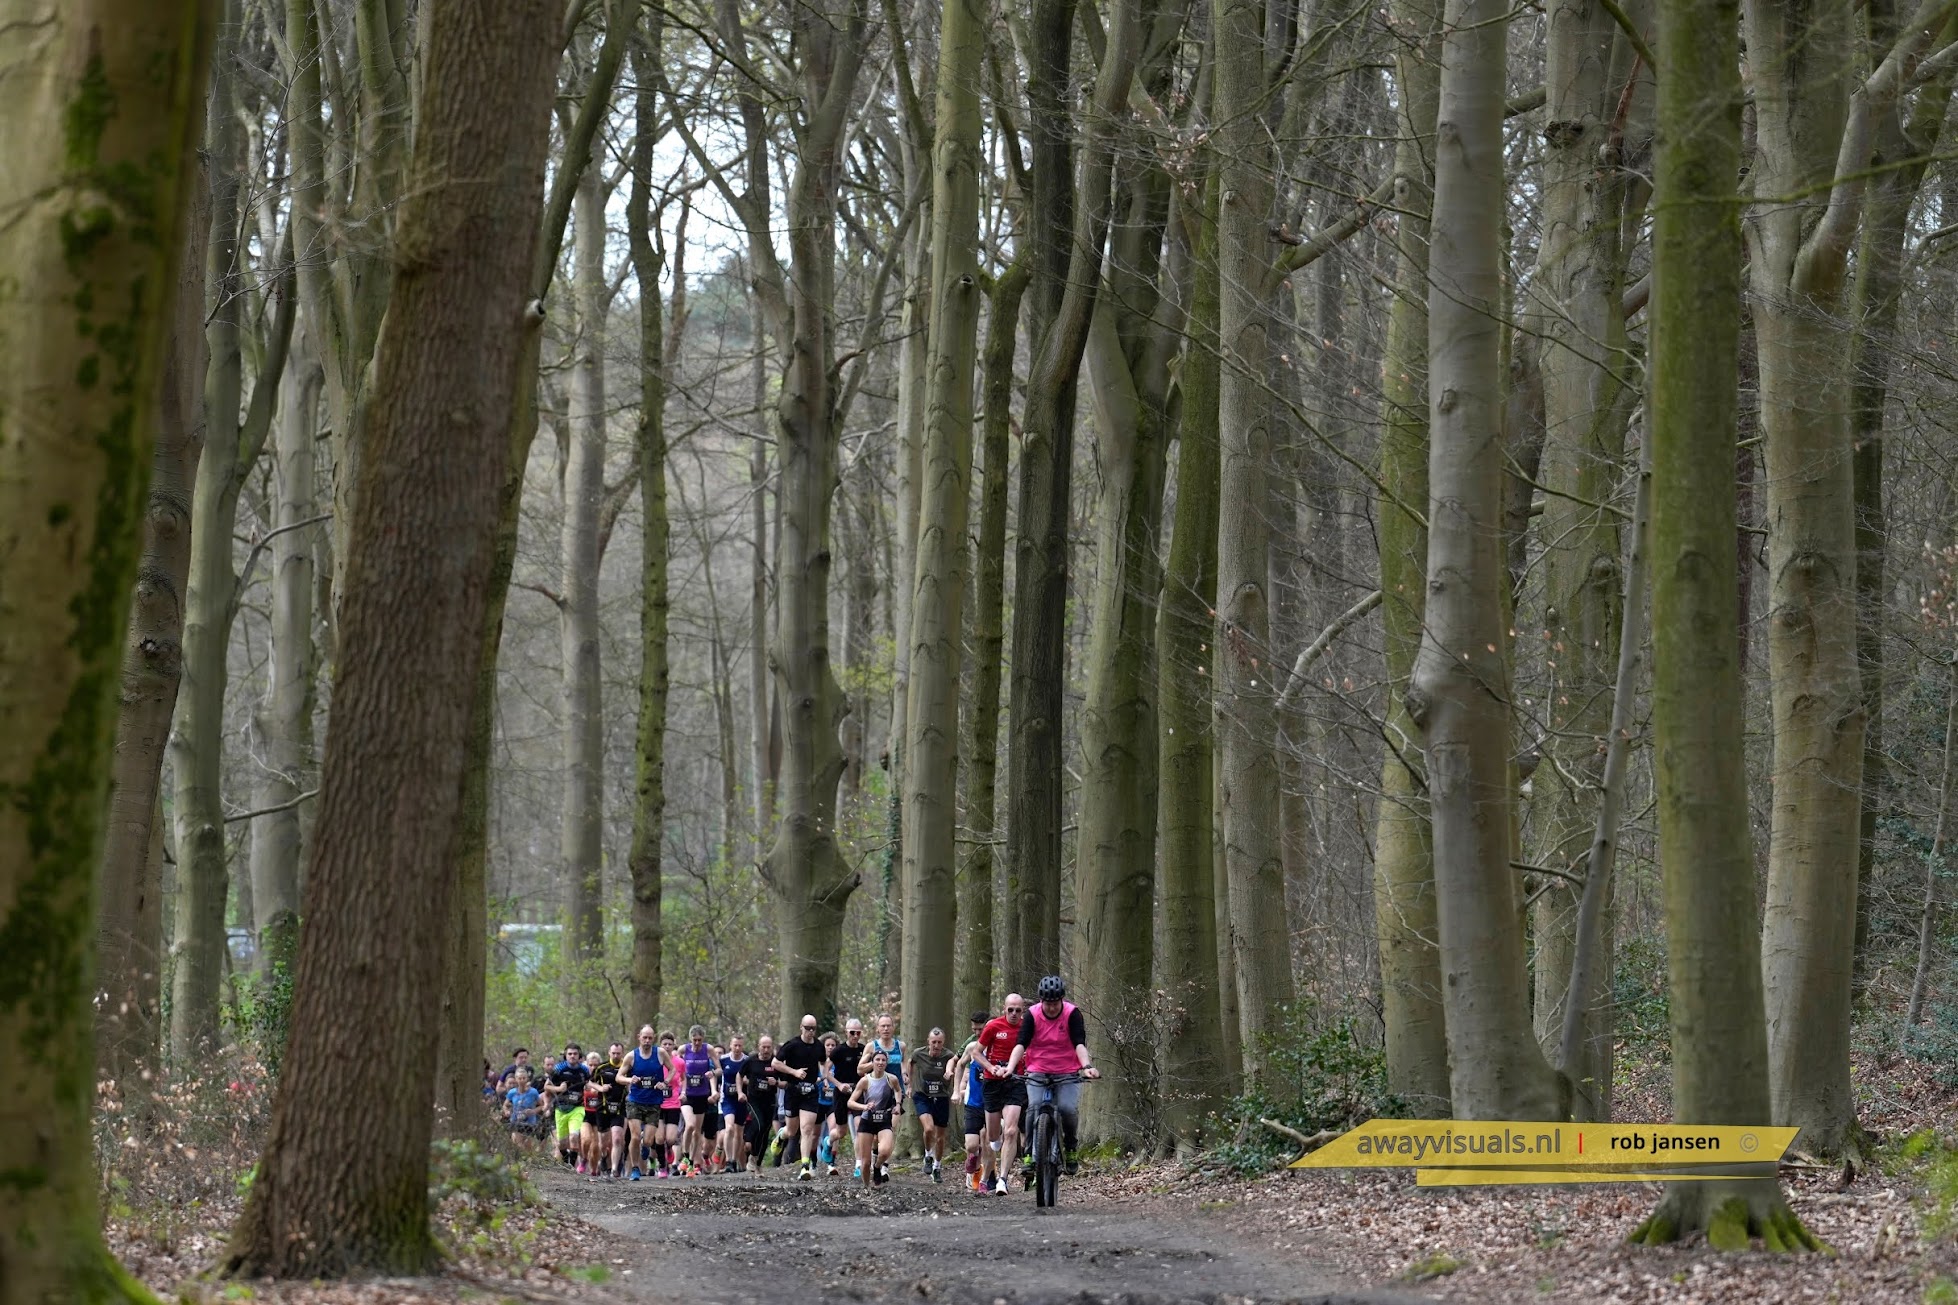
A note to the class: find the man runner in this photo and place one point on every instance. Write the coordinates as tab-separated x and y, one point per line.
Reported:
932	1091
1054	1040
702	1072
609	1127
645	1079
845	1066
565	1085
800	1063
1005	1095
755	1088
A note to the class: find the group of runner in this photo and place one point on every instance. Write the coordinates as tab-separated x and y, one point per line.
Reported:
684	1110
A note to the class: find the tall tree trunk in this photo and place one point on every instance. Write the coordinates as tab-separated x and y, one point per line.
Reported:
413	614
1879	286
1246	722
644	861
1719	1030
803	868
460	1045
1575	312
129	923
104	102
580	845
1069	221
929	769
1191	1072
1403	858
1459	693
1131	345
1812	138
232	443
284	721
977	938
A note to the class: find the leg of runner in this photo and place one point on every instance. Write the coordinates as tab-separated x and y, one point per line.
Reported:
635	1133
886	1143
1009	1144
975	1143
864	1165
810	1121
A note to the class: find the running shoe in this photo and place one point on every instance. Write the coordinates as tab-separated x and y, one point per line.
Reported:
937	1172
804	1174
832	1172
883	1173
1072	1165
660	1172
633	1177
857	1172
581	1166
1000	1187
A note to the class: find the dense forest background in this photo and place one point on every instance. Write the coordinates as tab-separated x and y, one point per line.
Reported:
1406	550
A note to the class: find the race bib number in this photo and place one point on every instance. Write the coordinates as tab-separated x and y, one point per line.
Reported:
934	1087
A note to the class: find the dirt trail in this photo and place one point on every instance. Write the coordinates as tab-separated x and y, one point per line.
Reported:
730	1240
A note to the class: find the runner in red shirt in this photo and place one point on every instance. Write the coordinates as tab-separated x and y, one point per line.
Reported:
1005	1096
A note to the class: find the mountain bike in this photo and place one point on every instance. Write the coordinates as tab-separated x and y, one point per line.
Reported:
1044	1137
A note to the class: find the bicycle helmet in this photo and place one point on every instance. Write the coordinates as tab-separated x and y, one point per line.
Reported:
1052	988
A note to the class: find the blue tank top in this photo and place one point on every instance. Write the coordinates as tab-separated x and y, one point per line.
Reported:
975	1095
650	1090
730	1070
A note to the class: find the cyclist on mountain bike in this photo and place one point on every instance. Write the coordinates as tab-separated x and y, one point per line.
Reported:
1054	1041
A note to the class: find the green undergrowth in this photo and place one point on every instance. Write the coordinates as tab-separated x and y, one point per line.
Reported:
1322	1075
1931	1165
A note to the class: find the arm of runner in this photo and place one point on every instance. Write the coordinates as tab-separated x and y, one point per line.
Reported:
855	1104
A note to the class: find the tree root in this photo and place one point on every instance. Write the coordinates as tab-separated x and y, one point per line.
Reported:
1731	1214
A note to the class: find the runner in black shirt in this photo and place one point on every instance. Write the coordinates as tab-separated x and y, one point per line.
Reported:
756	1086
798	1062
566	1087
846	1067
609	1127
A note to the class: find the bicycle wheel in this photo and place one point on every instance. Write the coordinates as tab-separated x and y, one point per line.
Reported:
1046	1156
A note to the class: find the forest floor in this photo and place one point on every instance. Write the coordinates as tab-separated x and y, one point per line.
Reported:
1147	1234
1150	1235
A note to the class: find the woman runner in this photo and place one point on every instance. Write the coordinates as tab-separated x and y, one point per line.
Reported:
669	1114
874	1101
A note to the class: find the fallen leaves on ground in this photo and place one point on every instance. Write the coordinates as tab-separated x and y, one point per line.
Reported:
1484	1246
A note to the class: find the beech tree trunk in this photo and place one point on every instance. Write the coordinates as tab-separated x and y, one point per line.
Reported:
810	881
1132	342
1814	134
978	942
1459	693
104	103
1192	1074
934	629
644	861
1574	310
1403	857
283	722
233	438
1719	1028
1260	941
348	1190
580	845
129	928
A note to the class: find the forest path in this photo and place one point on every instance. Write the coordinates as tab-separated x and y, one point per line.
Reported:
730	1240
